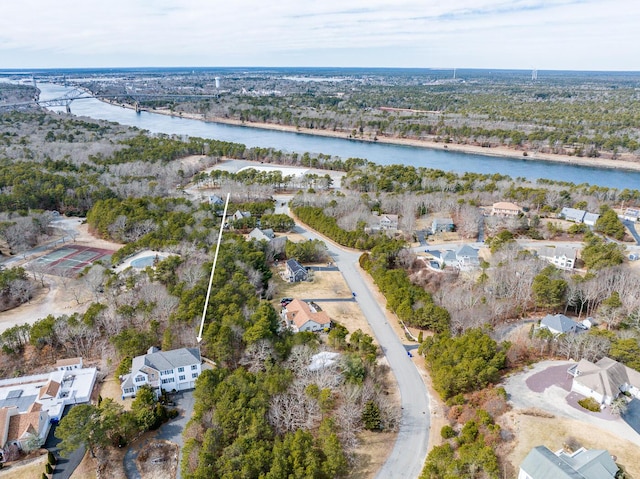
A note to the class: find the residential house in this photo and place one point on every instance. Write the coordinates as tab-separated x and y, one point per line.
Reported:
572	214
442	225
27	430
388	222
541	463
261	235
29	404
176	369
302	316
631	214
444	257
505	208
579	216
590	219
215	200
238	215
68	364
560	256
467	256
560	324
604	380
276	243
295	272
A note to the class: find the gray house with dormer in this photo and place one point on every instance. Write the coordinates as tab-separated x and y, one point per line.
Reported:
172	370
295	271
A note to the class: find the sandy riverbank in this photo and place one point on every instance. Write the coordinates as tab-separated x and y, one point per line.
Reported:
627	162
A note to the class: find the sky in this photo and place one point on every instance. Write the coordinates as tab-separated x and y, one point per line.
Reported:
508	34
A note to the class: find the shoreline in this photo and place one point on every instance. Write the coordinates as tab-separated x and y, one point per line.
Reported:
496	151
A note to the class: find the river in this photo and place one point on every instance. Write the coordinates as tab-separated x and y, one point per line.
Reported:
381	153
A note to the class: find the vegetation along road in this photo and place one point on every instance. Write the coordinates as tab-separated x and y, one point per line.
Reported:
407	458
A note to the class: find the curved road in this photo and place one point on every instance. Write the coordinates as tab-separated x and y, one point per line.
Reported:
409	452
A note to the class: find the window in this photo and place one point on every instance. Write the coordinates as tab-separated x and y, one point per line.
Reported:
194	375
181	369
168	380
140	379
194	367
128	390
182	377
166	372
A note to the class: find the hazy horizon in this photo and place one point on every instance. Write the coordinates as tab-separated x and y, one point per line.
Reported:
574	35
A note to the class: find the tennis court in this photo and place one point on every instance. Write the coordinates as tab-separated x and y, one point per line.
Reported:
71	259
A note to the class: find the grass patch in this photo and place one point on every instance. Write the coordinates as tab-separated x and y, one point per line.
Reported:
29	469
590	404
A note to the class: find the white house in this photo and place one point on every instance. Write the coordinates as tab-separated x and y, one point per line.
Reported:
301	316
388	222
505	208
560	256
29	404
541	463
172	370
604	380
68	364
590	219
572	214
467	256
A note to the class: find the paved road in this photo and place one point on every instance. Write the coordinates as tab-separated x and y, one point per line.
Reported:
410	450
631	226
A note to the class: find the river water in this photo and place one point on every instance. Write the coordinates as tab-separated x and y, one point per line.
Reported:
376	152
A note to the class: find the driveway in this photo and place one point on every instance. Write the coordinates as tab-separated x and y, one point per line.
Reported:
170	431
547	386
65	465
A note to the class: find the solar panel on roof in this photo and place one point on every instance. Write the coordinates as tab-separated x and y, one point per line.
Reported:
14	394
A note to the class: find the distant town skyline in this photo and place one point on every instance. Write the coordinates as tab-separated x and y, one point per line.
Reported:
509	34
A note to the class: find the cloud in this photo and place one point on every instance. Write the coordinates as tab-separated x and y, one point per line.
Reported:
587	34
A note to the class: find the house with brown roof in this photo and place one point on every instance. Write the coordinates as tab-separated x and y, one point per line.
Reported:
26	430
302	316
49	390
604	380
68	364
505	208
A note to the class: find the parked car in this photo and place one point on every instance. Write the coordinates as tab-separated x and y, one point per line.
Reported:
285	301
